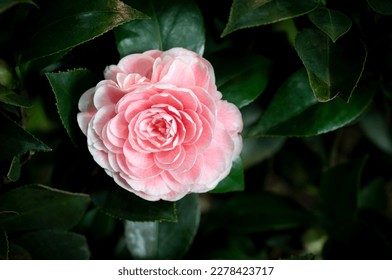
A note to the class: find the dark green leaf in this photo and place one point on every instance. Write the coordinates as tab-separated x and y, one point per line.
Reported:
250	13
333	68
294	111
241	79
381	6
234	181
374	196
339	193
376	127
54	245
4	244
97	224
9	97
172	23
15	141
41	207
7	4
165	240
14	170
259	212
18	253
66	24
331	22
123	204
68	87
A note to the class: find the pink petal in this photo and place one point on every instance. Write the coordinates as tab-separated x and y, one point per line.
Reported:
107	93
138	64
139	159
86	103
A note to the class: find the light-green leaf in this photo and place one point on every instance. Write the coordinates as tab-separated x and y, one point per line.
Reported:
41	207
294	111
54	245
15	141
333	68
331	22
68	87
172	23
251	13
66	24
242	78
165	240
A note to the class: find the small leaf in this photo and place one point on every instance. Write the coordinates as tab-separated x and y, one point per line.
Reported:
41	207
4	244
66	24
234	181
331	22
14	170
68	87
258	212
7	4
172	23
377	129
241	79
250	13
381	6
9	97
15	141
333	68
374	197
123	204
304	116
54	245
339	194
165	240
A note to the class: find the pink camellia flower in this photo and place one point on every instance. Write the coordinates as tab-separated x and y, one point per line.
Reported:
158	126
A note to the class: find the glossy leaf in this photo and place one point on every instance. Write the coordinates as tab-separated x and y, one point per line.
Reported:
242	78
40	207
15	141
294	111
259	212
250	13
9	97
68	87
165	240
172	23
234	181
54	245
331	22
66	24
292	99
381	6
122	204
4	244
7	4
334	69
339	192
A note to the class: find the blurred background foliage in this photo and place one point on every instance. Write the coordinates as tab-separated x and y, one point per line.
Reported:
313	80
